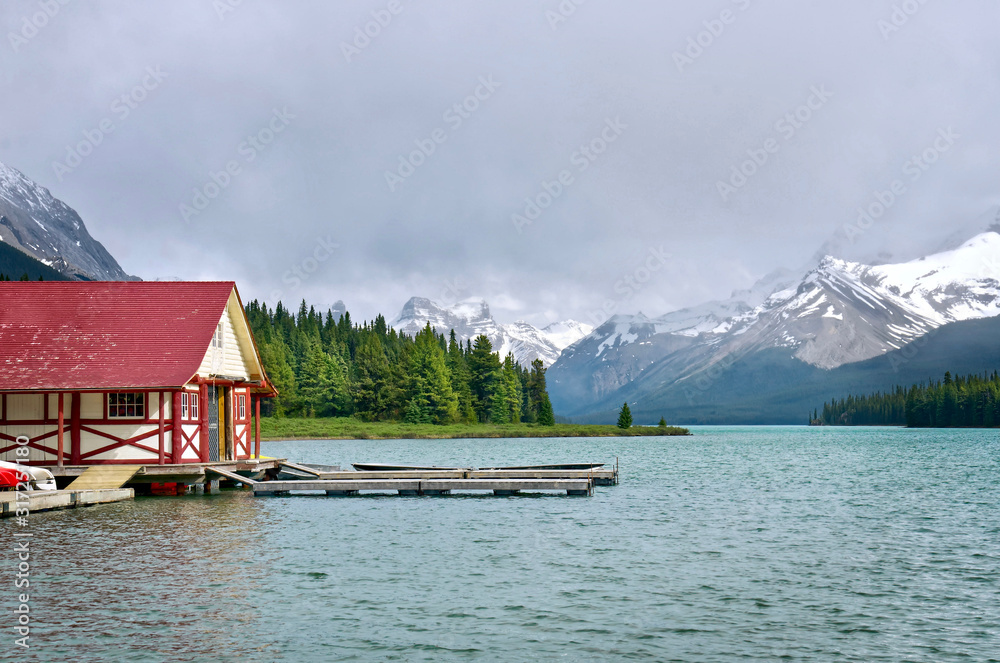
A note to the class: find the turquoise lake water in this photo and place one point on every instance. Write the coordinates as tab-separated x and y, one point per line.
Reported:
737	543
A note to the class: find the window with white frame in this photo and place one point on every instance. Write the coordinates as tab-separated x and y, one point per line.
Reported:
218	336
184	405
125	405
241	407
194	406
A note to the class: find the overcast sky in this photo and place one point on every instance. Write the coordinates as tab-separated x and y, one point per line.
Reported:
310	114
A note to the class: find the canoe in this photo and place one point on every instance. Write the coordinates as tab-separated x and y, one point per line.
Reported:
379	467
8	479
561	466
39	478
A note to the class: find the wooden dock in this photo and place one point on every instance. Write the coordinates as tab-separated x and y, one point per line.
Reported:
436	481
599	477
46	500
186	473
412	487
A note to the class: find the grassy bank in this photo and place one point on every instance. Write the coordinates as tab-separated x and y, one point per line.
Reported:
345	428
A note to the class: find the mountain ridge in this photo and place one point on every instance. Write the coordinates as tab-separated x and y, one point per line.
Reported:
46	228
471	317
839	312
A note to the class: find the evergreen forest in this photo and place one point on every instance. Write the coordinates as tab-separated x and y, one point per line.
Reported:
970	402
324	366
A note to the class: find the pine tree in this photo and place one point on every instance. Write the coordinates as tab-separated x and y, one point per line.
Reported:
316	387
512	397
663	423
371	379
545	415
534	388
625	417
460	380
430	380
416	412
484	376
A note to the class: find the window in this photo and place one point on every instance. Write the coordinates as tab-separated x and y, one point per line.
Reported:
184	405
241	407
126	405
194	406
217	337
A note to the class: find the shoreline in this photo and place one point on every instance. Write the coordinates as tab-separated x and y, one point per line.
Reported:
288	429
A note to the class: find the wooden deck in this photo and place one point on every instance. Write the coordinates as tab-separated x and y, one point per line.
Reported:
46	500
186	473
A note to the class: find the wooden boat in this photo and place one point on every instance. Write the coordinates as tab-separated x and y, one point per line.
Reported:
560	466
291	473
379	467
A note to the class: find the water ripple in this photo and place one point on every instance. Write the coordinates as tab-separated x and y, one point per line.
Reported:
752	544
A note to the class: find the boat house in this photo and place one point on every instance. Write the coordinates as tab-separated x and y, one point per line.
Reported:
140	373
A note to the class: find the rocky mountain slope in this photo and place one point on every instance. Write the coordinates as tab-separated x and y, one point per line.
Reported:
49	230
472	317
840	312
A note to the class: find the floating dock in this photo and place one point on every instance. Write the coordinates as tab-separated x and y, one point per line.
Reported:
433	481
598	477
46	500
412	487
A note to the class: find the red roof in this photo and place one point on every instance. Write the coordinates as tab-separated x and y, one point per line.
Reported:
106	335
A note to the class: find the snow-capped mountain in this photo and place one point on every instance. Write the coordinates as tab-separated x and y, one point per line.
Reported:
48	229
839	312
471	317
